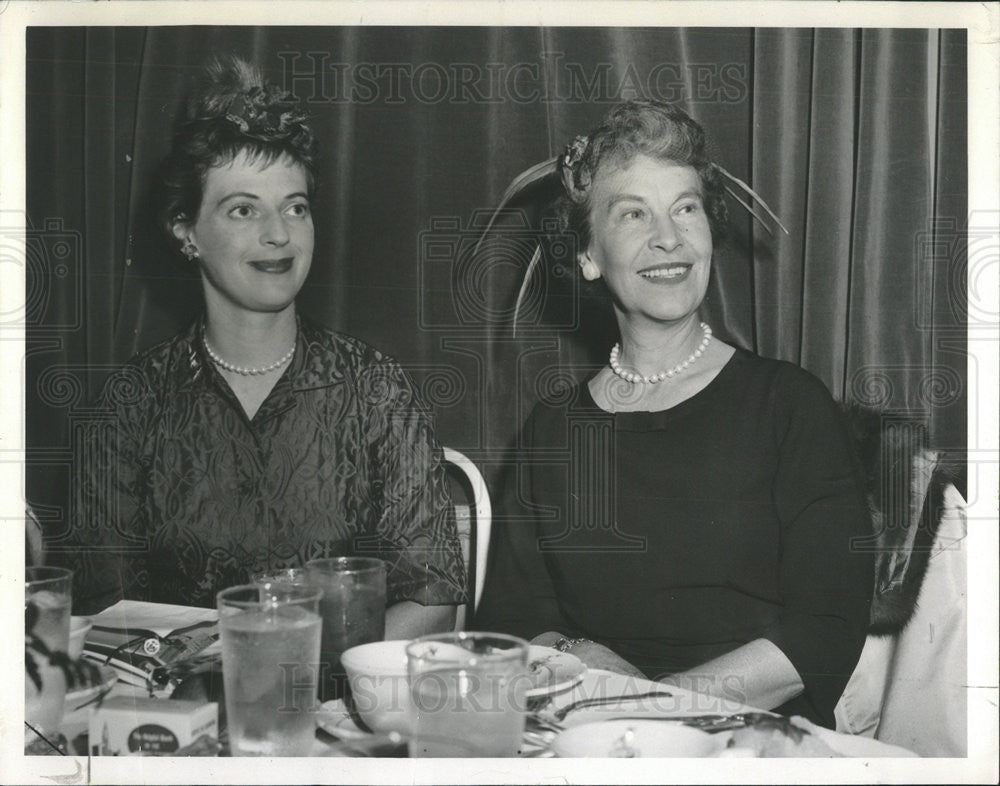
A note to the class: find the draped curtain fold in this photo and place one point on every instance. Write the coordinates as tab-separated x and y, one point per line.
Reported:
856	138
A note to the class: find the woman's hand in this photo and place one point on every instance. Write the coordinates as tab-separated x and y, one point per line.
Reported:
593	655
757	673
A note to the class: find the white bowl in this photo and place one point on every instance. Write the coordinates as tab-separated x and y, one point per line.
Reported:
79	627
635	739
379	687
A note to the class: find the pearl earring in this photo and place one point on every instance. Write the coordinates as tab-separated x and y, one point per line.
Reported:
589	270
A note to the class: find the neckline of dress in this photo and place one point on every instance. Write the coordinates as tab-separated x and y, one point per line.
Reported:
646	414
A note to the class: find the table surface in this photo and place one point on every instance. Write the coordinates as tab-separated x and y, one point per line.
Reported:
672	702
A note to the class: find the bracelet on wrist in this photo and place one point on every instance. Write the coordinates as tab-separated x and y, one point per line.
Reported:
565	645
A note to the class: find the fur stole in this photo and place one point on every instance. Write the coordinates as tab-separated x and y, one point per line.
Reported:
905	483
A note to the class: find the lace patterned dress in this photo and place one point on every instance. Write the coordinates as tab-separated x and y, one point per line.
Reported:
181	495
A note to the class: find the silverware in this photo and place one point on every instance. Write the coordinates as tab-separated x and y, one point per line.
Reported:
539	703
540	734
540	738
561	713
543	724
707	723
391	744
538	753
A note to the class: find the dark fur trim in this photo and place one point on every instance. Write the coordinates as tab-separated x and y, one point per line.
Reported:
905	484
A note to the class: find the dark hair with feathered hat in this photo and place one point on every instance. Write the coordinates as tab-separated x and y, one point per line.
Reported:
233	112
652	128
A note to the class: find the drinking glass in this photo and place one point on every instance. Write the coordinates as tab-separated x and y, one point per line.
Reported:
47	601
467	694
353	611
270	665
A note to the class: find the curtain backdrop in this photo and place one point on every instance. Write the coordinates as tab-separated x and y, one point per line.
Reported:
856	138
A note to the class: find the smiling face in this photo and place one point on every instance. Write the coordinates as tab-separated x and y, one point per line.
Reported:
253	233
650	239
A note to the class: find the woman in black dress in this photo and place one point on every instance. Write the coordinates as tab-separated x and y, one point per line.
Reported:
687	513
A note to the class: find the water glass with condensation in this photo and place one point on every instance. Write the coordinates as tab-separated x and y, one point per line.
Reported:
353	611
270	667
467	694
48	597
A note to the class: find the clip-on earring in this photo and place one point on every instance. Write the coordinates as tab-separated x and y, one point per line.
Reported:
589	270
189	250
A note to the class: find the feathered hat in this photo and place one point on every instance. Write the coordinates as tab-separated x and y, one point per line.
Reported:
235	92
576	180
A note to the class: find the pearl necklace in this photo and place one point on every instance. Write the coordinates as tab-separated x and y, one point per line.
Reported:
246	372
632	378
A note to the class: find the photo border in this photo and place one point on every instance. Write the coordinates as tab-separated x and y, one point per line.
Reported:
981	22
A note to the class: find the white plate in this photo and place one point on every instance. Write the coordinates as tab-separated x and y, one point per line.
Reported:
552	671
78	697
333	717
636	739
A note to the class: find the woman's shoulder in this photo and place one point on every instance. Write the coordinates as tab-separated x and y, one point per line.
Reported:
168	351
560	402
778	377
560	395
143	376
788	400
347	348
376	377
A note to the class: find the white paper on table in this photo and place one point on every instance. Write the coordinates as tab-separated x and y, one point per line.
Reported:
138	638
161	618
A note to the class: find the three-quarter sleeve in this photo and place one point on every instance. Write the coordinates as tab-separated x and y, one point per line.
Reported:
825	580
416	532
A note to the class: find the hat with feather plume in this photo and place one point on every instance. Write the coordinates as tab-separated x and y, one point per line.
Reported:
576	179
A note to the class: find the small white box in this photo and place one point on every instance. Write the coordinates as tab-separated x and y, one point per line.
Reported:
127	726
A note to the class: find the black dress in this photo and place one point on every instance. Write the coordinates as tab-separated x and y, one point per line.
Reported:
674	537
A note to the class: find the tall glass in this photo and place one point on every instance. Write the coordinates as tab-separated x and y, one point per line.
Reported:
48	596
270	665
353	610
468	694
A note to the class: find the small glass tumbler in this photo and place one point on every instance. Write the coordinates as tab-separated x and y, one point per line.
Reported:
468	694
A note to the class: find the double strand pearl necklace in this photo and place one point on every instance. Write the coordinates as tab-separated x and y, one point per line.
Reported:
247	372
652	379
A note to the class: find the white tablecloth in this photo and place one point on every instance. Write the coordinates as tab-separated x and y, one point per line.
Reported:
675	702
680	703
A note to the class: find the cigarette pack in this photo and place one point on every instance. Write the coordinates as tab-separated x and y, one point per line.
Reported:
127	726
